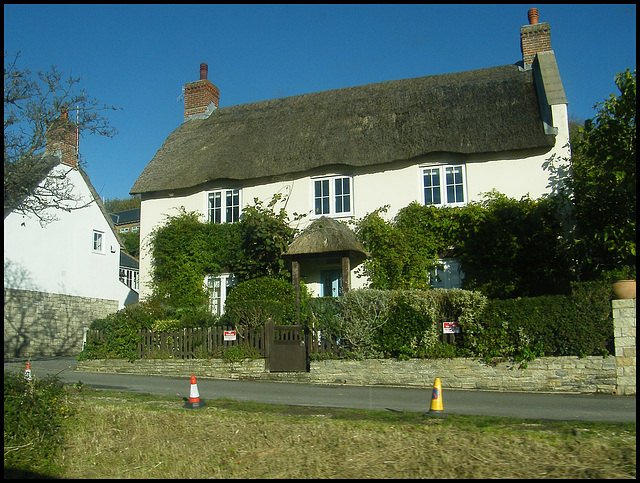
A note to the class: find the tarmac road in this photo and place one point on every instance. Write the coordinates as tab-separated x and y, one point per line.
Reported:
567	407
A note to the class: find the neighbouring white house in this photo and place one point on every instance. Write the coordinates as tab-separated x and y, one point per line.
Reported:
62	274
340	154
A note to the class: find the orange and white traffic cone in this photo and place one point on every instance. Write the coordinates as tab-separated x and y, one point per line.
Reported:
194	401
27	372
437	409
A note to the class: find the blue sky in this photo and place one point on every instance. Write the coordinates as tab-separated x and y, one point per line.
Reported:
138	57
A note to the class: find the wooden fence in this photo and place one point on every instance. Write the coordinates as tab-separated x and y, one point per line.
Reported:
198	343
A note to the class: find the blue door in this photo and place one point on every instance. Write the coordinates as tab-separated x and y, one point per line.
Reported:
331	283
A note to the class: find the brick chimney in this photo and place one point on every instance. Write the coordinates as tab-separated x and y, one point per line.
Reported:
534	38
200	97
62	139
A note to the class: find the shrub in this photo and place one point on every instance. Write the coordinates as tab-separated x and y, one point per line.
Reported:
121	331
324	315
362	313
411	327
576	325
34	412
252	302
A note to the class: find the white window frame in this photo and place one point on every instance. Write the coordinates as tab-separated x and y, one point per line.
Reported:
98	241
334	195
130	277
223	195
442	184
217	287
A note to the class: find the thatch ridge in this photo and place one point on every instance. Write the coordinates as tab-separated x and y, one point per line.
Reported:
487	110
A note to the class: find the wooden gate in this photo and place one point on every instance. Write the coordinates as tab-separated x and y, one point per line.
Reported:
287	351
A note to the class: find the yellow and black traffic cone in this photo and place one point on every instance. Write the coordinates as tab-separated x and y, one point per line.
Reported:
437	409
194	401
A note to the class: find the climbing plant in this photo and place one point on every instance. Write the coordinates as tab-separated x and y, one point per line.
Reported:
506	247
184	249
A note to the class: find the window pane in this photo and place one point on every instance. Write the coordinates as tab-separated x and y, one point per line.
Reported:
343	199
232	205
432	186
215	207
455	185
321	196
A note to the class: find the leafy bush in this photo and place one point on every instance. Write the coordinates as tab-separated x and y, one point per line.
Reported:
252	302
411	327
121	331
557	325
238	353
362	313
34	412
324	313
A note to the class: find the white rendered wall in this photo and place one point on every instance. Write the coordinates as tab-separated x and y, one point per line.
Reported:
59	258
397	185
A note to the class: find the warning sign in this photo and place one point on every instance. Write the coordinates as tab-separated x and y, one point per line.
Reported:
450	328
229	335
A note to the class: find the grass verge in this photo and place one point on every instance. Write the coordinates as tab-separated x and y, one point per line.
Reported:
122	435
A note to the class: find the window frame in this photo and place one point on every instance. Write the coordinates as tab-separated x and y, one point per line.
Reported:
98	236
333	195
443	185
224	208
227	282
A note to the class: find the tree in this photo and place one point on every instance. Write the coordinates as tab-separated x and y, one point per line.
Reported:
32	106
604	183
111	205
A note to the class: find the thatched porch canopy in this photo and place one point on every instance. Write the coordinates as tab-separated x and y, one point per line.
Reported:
327	237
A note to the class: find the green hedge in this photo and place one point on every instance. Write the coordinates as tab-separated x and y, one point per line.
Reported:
396	323
576	325
408	323
253	301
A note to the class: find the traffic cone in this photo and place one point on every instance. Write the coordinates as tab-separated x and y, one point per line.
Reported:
27	372
437	409
194	401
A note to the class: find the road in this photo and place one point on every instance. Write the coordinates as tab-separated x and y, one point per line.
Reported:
567	407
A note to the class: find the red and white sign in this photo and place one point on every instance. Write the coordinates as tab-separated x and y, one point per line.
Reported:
450	328
229	335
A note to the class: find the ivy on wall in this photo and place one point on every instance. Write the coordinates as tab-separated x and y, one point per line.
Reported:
184	250
506	247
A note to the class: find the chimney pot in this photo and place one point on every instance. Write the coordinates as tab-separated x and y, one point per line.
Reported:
533	16
204	68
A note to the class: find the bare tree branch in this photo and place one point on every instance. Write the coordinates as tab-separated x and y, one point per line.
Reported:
32	107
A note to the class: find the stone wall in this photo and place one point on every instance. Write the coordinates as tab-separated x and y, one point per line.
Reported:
624	326
212	368
574	375
547	374
39	324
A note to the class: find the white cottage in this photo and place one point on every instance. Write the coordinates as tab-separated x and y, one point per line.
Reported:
442	139
61	275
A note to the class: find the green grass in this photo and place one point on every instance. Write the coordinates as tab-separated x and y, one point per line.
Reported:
124	435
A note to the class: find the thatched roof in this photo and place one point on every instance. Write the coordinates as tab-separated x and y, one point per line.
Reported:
480	111
326	236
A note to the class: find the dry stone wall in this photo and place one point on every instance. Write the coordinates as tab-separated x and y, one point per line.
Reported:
39	324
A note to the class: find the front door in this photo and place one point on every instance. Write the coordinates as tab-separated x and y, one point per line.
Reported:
331	283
